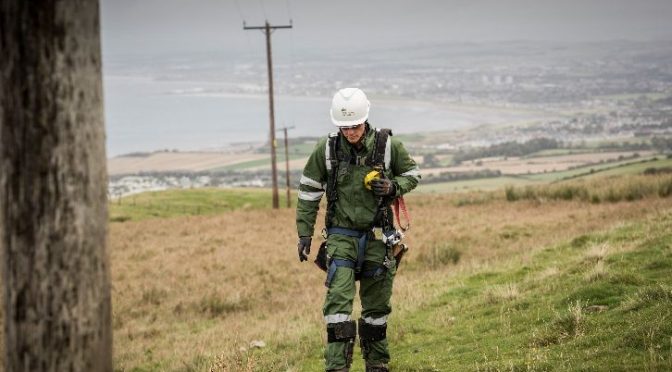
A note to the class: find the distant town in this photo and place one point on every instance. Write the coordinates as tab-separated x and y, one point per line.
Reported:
598	97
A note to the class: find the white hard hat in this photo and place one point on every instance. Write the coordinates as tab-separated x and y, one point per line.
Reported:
349	107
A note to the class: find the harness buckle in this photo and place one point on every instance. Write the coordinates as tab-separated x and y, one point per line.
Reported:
392	237
388	263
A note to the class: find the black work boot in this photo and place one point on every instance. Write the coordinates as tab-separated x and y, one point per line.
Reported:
377	368
346	369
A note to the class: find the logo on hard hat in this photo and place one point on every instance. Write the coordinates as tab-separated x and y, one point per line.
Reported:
345	112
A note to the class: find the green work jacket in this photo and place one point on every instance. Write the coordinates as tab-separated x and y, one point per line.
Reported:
356	205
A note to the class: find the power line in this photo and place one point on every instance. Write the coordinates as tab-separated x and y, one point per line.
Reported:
263	9
242	18
289	11
240	13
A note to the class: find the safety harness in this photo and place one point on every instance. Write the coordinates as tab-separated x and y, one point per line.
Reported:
378	161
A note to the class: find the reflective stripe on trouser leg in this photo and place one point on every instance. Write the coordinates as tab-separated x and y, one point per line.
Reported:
375	294
337	309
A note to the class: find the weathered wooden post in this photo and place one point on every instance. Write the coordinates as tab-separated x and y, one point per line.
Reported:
53	184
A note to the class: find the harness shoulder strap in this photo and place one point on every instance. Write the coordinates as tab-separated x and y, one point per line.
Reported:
330	151
381	149
332	166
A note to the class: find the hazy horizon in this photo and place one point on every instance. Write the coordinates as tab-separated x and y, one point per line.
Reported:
160	26
193	57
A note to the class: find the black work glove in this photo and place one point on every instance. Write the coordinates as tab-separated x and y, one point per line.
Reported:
304	247
383	187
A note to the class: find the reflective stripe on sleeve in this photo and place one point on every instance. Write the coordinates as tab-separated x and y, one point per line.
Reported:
310	196
336	318
415	172
310	182
376	321
388	152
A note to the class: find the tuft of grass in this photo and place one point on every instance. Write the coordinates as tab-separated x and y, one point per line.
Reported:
649	296
665	188
567	325
498	293
580	241
153	296
597	252
120	218
441	255
215	305
511	193
611	189
597	272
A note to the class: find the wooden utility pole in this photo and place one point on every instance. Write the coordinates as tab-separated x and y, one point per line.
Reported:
53	183
268	29
284	129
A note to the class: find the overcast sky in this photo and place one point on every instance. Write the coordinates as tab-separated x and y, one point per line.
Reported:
158	26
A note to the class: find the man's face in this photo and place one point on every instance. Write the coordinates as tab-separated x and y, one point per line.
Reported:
353	134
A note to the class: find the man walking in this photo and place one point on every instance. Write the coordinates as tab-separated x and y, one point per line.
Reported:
363	170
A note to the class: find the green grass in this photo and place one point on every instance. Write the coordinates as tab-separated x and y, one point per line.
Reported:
624	167
583	171
596	190
558	152
633	168
258	163
550	313
485	184
410	137
304	149
173	203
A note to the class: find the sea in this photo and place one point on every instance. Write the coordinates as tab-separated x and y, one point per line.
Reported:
146	115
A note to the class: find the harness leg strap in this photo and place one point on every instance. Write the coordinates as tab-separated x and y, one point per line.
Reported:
362	236
336	263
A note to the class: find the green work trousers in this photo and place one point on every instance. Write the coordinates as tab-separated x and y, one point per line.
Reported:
374	293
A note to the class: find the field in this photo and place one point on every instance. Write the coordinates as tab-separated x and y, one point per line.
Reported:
181	161
176	202
617	168
539	164
483	184
491	283
494	285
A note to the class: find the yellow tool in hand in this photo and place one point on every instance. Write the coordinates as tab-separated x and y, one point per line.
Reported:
370	177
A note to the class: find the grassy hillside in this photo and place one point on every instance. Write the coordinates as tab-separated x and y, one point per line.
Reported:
619	168
192	202
489	284
600	301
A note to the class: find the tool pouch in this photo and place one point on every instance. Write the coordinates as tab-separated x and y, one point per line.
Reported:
398	251
322	259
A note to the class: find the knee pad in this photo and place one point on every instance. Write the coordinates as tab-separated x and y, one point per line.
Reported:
341	332
370	332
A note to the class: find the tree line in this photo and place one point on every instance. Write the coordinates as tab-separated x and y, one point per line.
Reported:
507	149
